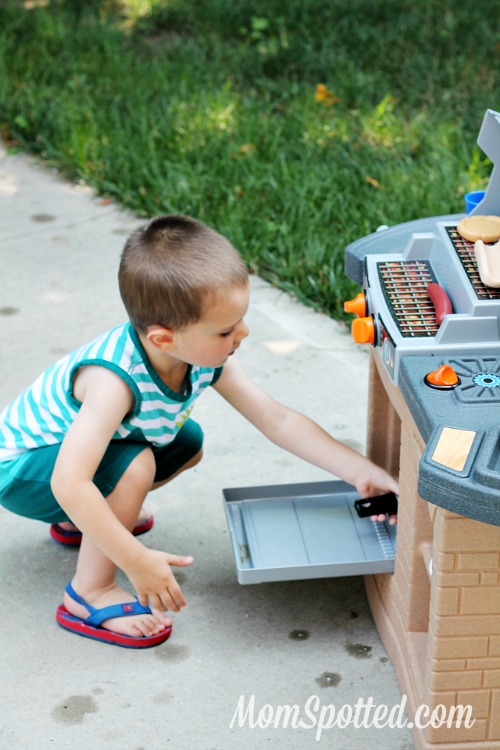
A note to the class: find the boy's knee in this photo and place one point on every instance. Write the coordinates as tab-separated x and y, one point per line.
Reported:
141	471
162	476
194	460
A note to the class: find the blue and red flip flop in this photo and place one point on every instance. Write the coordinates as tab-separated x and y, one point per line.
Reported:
91	627
74	538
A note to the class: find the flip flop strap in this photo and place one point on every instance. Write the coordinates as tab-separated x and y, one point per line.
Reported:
98	616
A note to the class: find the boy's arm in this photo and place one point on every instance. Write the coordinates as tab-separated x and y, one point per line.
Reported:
106	399
299	435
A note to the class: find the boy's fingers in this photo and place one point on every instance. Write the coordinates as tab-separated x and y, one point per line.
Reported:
168	596
392	519
171	597
168	601
180	560
163	603
143	599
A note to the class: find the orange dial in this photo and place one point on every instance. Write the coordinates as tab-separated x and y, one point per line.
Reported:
363	330
357	306
444	377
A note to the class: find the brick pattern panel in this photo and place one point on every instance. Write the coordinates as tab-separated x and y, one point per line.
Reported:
465	616
459	604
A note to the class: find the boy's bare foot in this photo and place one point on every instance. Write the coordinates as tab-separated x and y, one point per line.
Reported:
135	625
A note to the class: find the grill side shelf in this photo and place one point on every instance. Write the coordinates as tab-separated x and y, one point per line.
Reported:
304	531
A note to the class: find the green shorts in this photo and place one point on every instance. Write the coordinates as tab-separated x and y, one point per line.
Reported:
25	481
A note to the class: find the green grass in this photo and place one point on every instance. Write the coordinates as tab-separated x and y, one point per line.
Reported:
208	107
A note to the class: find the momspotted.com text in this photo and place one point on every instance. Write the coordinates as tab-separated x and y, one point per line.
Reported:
365	713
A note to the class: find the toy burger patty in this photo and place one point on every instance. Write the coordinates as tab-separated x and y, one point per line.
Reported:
485	228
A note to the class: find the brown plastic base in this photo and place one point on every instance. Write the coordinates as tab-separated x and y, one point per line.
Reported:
440	627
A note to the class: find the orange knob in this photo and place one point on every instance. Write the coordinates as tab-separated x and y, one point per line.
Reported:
363	330
444	377
357	306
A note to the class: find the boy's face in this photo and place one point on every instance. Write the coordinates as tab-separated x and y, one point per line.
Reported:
210	341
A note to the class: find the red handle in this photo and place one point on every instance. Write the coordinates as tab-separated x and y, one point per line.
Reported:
440	300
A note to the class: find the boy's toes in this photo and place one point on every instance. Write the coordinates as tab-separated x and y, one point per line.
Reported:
163	620
146	627
152	627
139	625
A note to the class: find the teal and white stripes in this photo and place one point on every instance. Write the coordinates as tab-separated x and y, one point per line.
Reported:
41	415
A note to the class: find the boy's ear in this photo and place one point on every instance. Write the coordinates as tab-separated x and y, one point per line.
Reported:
160	337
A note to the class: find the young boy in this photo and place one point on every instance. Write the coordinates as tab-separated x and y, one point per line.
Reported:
106	424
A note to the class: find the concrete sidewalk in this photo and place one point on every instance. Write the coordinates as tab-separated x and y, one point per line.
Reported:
280	642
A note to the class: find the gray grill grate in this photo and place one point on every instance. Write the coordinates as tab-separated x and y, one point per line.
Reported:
404	285
465	251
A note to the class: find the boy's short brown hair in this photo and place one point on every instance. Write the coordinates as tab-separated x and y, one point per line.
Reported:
170	269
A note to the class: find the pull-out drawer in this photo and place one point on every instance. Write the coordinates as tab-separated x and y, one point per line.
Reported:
297	531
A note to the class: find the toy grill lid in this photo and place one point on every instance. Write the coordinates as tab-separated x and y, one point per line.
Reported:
300	531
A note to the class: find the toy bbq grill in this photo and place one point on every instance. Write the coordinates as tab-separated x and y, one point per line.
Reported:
434	591
429	298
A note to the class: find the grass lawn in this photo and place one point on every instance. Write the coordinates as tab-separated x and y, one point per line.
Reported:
292	127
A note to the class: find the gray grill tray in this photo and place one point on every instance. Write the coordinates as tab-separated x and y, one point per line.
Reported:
299	531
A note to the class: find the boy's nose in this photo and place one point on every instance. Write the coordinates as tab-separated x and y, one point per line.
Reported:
242	331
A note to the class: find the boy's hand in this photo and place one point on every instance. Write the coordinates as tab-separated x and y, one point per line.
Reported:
155	582
375	481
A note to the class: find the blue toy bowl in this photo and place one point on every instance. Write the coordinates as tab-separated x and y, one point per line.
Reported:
473	199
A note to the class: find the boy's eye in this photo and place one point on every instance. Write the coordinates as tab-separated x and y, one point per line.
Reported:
226	333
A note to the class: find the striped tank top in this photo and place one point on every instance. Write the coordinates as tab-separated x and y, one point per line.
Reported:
42	414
